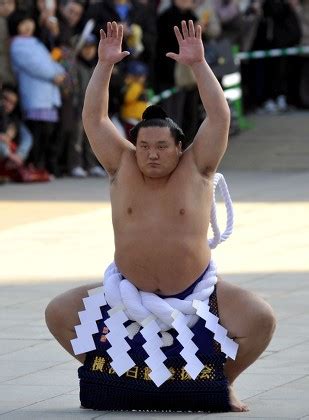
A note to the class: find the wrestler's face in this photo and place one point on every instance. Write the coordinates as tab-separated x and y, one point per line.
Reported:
157	153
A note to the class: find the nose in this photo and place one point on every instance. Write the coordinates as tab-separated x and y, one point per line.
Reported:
153	155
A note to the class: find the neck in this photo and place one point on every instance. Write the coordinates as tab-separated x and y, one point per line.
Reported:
156	183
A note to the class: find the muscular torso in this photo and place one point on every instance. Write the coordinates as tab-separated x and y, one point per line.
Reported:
161	233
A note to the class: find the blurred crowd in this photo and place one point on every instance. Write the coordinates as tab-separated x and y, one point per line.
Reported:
48	50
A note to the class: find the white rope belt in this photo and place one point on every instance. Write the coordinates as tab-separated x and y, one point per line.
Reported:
152	314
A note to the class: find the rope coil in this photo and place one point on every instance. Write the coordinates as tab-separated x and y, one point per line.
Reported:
218	238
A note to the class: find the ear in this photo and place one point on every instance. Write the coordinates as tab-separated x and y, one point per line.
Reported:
179	147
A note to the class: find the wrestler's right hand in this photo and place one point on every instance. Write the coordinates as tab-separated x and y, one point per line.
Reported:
110	50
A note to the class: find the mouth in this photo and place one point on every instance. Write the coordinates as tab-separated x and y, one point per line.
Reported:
153	164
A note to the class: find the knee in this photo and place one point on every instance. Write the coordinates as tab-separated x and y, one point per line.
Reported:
54	316
267	321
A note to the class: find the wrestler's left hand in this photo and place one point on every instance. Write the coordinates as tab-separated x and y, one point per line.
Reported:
191	48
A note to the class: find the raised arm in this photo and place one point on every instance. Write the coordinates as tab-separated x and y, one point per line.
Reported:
211	139
106	142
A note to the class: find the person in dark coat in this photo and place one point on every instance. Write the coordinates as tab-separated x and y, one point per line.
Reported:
138	20
186	101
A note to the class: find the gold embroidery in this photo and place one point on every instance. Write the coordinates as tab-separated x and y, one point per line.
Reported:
98	363
143	372
184	376
205	373
133	372
147	371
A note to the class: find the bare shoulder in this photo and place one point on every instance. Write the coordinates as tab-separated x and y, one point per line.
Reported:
107	144
127	167
209	144
188	168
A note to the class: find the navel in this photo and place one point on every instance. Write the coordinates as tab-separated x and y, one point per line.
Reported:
182	211
129	210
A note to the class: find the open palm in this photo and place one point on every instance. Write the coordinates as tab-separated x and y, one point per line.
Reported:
110	50
191	49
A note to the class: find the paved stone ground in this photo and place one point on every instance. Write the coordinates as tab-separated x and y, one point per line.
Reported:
58	235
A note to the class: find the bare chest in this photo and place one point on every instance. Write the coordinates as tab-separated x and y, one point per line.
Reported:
183	203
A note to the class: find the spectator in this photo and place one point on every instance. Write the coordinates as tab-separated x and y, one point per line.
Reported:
15	142
47	23
186	101
84	161
7	7
38	78
166	41
208	19
239	21
279	28
70	15
9	156
18	135
230	17
135	97
71	18
139	26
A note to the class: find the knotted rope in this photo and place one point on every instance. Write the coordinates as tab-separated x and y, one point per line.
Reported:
139	305
219	237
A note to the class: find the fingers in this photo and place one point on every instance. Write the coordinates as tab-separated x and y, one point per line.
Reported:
125	54
187	30
178	34
102	34
172	55
114	30
199	32
184	29
120	32
191	29
109	29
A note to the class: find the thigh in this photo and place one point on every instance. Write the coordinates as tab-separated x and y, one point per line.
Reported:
241	311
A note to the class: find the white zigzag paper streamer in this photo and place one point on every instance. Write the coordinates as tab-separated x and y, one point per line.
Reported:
118	351
159	372
228	346
194	365
84	341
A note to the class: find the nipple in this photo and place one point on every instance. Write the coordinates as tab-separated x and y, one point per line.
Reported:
129	210
182	211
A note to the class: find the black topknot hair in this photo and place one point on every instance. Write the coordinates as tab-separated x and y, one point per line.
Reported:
154	112
155	116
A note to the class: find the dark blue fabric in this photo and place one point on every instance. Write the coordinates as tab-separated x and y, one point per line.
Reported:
102	389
